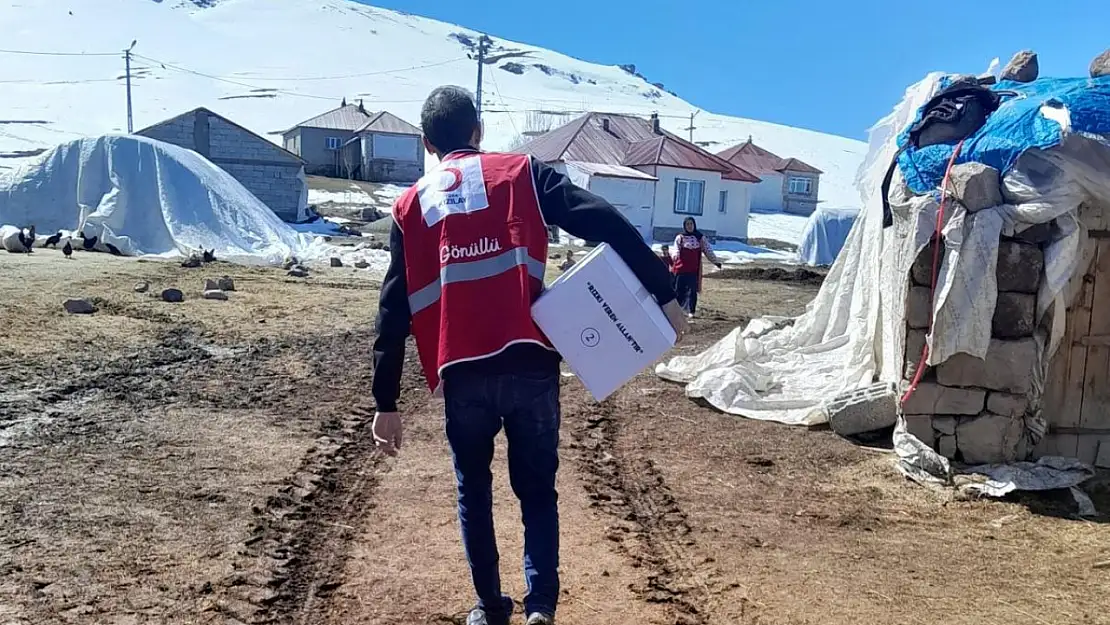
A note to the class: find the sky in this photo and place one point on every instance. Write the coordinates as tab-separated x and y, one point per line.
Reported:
835	66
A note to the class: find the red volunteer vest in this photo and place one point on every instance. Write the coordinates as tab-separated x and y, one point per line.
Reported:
475	255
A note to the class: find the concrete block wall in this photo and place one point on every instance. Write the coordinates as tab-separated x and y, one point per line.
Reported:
226	141
969	409
276	186
178	132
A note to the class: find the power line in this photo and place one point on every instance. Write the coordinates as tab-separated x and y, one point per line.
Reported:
43	53
502	98
361	75
230	82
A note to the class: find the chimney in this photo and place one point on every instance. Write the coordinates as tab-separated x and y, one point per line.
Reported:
655	123
344	103
605	124
749	138
360	107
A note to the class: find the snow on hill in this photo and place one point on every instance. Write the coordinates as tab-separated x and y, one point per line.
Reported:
269	64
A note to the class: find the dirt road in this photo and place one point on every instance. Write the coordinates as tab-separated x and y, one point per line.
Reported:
209	462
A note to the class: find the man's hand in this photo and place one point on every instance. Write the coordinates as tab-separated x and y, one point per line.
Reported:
677	317
387	431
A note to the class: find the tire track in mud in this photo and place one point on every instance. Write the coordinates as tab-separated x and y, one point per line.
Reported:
301	541
651	530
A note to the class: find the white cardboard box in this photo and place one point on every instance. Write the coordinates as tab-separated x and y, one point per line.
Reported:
603	322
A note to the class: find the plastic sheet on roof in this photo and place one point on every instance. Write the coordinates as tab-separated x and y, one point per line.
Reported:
148	198
1031	119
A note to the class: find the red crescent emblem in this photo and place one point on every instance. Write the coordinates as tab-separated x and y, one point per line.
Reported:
457	174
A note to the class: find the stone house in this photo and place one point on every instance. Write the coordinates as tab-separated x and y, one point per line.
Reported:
320	140
653	177
274	175
384	149
787	184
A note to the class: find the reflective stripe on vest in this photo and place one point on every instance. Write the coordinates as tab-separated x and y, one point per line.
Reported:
475	270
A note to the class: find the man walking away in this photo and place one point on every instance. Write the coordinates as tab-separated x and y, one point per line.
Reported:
468	253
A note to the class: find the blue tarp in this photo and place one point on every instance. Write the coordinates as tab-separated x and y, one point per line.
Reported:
1015	127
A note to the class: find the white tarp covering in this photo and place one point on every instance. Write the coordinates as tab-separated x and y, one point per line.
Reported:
849	335
148	198
824	235
787	373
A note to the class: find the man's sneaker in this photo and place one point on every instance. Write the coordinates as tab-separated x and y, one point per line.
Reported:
479	617
537	618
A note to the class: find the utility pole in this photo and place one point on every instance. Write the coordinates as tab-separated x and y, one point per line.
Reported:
483	47
127	64
691	128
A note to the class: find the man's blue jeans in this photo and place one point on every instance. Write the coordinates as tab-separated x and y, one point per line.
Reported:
527	404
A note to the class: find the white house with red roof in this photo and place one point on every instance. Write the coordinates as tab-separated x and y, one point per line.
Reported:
655	178
787	184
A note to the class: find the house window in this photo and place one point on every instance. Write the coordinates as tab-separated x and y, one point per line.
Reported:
395	148
723	208
688	196
801	186
334	143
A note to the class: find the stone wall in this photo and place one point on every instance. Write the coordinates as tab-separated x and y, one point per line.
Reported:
969	409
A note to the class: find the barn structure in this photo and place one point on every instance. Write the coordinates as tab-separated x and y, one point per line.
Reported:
274	175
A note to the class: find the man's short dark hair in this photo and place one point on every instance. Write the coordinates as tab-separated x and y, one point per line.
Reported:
449	118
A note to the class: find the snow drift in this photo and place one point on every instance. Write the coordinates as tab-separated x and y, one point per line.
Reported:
148	198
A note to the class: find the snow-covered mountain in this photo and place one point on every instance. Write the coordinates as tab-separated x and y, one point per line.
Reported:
269	64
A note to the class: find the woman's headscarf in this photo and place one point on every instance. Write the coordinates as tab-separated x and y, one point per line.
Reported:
696	233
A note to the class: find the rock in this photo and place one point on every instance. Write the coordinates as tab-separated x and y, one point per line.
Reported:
1023	67
921	426
919	307
933	398
864	410
1101	65
915	345
336	261
289	262
211	285
225	283
945	426
377	245
922	270
361	264
173	296
1008	367
1007	405
946	446
192	262
297	271
1038	233
1020	266
215	294
142	287
79	307
385	248
1013	316
976	186
989	439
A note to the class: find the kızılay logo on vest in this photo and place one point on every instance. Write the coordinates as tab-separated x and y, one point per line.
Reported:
481	247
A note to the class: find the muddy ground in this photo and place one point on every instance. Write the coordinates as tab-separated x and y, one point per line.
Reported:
210	462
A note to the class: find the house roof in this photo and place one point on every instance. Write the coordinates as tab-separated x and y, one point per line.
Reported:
226	120
349	117
384	121
753	158
616	139
610	171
